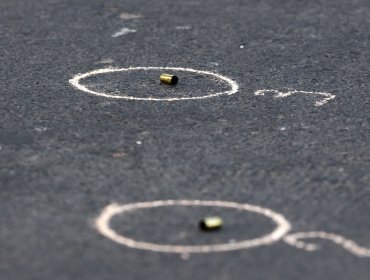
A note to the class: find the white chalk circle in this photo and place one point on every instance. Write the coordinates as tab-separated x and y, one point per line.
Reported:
102	224
76	81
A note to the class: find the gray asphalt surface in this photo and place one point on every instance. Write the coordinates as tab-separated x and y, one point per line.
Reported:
66	154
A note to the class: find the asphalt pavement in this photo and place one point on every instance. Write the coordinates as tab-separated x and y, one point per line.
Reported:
271	113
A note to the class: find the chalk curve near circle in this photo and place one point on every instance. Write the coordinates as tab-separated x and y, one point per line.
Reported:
102	224
296	240
75	81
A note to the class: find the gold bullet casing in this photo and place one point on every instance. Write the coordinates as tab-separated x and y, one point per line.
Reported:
169	79
210	223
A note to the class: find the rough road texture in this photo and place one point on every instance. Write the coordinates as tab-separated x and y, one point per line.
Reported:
66	154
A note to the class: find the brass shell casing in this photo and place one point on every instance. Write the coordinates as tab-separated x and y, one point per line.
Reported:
169	79
210	223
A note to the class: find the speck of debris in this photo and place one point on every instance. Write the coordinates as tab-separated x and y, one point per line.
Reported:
139	142
128	16
185	256
183	27
41	129
106	61
105	104
123	31
241	46
283	128
119	154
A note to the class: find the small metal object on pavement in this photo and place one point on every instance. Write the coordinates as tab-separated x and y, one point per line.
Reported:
210	223
169	79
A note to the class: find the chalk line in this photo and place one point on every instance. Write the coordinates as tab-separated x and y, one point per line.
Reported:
123	31
349	245
75	81
281	94
102	224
